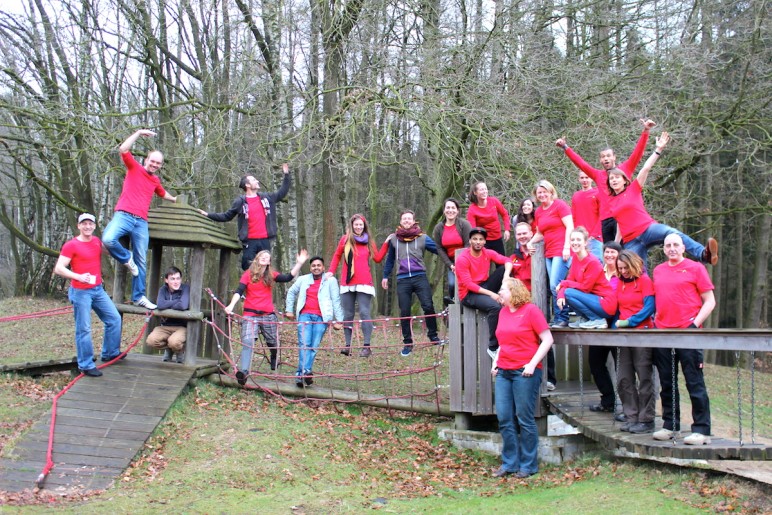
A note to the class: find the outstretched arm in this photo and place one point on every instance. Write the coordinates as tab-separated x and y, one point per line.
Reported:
126	145
301	258
662	142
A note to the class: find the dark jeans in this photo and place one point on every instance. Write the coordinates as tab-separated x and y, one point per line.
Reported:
419	285
597	358
251	248
608	228
487	305
691	364
498	246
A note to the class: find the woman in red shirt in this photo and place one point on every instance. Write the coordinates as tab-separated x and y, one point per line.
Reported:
524	339
484	211
451	235
635	294
256	288
356	247
639	230
525	214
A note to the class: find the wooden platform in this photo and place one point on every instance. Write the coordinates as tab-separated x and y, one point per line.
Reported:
566	402
101	424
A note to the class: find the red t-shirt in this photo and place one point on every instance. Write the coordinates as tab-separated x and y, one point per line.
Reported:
451	240
471	271
362	273
138	188
630	213
587	275
256	219
311	306
521	267
678	291
85	257
630	296
257	296
518	336
550	223
585	210
488	217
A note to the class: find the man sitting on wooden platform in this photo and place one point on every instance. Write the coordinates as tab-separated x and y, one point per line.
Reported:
172	332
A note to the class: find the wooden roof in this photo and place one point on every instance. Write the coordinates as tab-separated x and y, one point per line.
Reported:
180	225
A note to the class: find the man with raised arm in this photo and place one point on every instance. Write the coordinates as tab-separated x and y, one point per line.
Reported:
256	212
683	294
585	210
477	287
81	262
130	217
608	160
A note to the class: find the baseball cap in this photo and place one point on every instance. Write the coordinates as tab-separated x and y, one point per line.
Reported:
478	230
86	216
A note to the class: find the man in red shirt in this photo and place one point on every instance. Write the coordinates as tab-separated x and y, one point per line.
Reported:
608	160
683	294
585	210
477	288
521	259
81	262
257	224
130	217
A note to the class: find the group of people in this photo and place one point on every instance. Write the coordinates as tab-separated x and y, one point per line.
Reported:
596	260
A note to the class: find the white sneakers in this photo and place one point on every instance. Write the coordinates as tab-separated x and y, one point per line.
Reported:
693	439
144	302
132	266
600	323
550	386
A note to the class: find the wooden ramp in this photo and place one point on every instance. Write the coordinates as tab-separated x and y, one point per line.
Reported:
601	427
101	424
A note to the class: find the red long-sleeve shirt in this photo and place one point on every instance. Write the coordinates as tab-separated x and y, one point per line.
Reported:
587	275
471	271
488	217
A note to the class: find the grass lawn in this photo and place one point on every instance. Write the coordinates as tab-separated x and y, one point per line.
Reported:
223	450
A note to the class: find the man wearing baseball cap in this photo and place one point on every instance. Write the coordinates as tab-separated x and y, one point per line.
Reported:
477	287
80	261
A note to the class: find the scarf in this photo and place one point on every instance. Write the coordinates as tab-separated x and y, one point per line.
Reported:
408	234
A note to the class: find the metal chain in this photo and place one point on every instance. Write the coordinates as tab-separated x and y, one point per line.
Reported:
616	382
673	388
739	396
581	379
753	397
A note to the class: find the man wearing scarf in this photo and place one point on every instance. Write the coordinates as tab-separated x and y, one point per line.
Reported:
406	247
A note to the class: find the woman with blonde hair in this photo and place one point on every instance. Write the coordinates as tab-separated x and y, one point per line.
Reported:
524	339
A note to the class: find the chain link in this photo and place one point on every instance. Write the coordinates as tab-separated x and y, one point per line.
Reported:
673	388
581	379
753	397
739	396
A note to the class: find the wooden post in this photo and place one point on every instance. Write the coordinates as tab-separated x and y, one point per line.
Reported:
152	284
223	280
196	285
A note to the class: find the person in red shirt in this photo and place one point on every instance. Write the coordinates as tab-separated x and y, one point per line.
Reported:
684	298
608	160
521	259
524	339
80	261
484	211
525	213
585	210
257	223
451	235
639	230
635	295
130	217
356	247
256	288
477	287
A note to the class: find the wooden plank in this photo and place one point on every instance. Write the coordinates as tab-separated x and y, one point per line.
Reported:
485	399
88	415
61	448
136	442
470	361
135	407
456	357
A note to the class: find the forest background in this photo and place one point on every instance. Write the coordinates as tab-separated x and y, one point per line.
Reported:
385	105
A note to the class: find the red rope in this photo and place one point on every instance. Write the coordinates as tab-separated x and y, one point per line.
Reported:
50	312
50	449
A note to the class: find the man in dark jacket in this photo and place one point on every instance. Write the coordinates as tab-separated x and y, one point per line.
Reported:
256	215
172	332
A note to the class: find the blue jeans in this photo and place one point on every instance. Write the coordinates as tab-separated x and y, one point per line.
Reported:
557	270
585	304
655	235
83	301
121	225
310	333
451	284
596	248
516	399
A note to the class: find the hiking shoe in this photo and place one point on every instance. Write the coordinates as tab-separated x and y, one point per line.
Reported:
621	417
241	377
663	435
501	472
626	426
144	302
132	266
710	254
345	351
550	386
436	340
365	353
600	408
577	324
642	427
697	439
168	355
559	324
406	350
600	323
309	378
91	372
181	357
523	474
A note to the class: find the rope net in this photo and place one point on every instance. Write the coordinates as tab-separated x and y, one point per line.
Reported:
384	374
